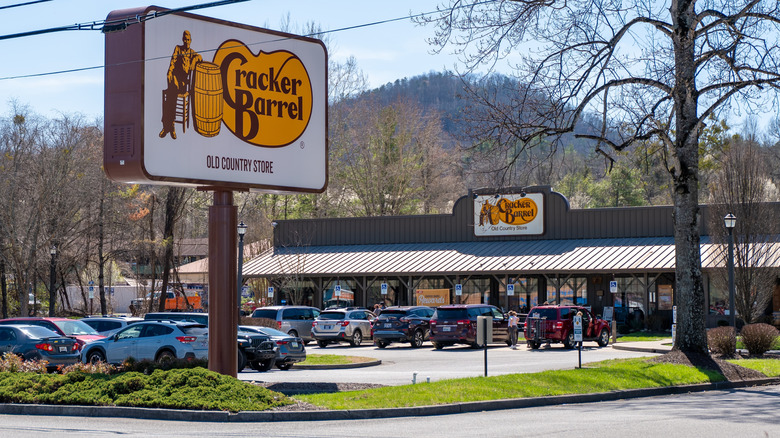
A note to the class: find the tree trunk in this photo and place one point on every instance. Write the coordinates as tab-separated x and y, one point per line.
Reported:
172	206
101	258
691	335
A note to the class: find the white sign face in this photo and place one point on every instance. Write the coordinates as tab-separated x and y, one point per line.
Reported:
613	287
337	291
270	292
458	289
511	214
577	329
224	103
510	289
384	288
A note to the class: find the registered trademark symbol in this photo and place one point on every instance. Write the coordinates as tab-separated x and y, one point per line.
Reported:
303	144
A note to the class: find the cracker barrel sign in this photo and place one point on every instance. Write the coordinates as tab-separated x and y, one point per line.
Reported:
192	100
509	214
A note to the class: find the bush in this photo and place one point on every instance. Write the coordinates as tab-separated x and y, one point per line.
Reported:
758	338
723	341
13	363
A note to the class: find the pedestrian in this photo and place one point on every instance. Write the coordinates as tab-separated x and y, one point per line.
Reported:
513	321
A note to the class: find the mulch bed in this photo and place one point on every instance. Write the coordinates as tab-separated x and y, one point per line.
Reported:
732	372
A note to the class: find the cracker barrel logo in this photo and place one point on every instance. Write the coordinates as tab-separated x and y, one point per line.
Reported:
511	212
263	99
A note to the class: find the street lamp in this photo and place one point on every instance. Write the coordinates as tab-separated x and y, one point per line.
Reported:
731	221
241	231
52	278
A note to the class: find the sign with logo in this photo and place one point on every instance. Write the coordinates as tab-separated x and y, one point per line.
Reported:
337	291
510	214
191	100
510	289
613	287
577	328
458	289
432	297
270	292
384	288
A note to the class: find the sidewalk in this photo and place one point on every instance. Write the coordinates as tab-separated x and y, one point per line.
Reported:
661	347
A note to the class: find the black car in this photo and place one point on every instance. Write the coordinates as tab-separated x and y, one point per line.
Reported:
31	342
254	349
403	324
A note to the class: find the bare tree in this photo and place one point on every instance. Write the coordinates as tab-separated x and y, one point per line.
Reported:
742	187
652	70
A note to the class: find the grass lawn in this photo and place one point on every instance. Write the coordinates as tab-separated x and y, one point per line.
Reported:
775	346
333	359
644	336
770	367
596	377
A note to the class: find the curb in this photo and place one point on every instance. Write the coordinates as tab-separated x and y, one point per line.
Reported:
339	366
362	414
641	349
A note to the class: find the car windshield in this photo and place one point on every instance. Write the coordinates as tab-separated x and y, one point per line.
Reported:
75	328
264	313
450	314
392	313
332	315
39	332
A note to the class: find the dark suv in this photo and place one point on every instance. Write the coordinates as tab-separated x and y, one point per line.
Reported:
410	324
254	349
555	324
457	324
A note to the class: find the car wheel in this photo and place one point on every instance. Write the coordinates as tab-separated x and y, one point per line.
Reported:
241	360
357	338
165	356
438	346
603	338
293	333
322	344
381	344
96	356
569	341
417	339
284	366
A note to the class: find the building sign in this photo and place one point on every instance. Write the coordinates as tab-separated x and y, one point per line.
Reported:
191	100
510	214
432	297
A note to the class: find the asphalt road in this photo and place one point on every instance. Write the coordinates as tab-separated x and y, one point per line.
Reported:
750	412
400	362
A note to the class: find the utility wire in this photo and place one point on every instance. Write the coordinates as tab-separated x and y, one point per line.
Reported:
24	4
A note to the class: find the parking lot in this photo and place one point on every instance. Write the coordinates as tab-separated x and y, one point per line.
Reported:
400	362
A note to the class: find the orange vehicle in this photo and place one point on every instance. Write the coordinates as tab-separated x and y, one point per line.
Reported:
174	301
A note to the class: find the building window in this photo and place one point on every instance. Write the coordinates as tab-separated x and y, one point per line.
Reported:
572	290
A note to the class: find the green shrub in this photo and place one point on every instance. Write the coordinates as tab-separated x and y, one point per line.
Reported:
758	338
13	363
149	366
723	341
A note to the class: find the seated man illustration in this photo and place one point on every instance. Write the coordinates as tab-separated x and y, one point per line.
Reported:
183	62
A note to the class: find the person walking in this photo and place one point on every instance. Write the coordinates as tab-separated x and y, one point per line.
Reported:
513	322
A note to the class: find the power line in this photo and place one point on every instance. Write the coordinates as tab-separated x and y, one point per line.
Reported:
24	4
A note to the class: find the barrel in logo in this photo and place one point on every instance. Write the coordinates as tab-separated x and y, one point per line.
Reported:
207	93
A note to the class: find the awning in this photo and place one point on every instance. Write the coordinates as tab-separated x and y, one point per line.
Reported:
626	255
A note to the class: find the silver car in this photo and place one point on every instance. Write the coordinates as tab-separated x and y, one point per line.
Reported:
294	320
150	340
350	324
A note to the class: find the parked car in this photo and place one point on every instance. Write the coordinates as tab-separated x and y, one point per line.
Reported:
254	349
105	325
289	350
294	320
457	324
555	324
73	328
151	340
351	324
410	324
32	342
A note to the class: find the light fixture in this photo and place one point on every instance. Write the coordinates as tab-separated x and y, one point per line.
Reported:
730	221
242	228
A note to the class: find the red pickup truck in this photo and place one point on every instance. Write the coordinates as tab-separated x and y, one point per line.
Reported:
555	324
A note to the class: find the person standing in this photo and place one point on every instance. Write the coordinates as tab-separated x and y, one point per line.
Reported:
513	323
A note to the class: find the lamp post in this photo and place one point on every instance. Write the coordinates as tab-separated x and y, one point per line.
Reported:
241	232
52	278
730	221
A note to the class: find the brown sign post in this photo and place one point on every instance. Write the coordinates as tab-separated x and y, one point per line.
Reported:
219	106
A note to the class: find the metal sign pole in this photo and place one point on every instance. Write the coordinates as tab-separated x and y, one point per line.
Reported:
484	340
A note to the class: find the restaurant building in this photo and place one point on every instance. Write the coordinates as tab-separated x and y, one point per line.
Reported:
512	248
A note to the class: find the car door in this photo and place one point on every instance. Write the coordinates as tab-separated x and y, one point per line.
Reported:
7	340
500	330
124	344
152	338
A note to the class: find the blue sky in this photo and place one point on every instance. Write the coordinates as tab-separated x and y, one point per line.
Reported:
385	52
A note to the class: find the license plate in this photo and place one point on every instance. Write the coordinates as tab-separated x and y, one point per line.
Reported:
388	325
63	349
295	345
328	327
446	328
